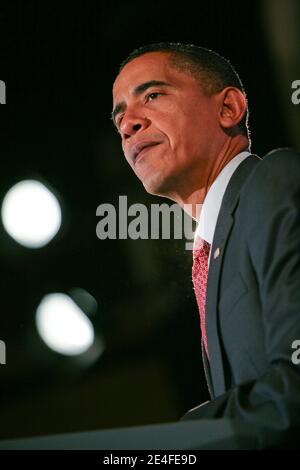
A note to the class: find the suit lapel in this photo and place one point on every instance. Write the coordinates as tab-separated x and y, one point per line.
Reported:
207	371
214	368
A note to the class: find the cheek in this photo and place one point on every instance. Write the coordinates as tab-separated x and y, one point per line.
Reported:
175	130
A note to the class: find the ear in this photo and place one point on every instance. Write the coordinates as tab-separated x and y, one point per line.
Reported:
233	106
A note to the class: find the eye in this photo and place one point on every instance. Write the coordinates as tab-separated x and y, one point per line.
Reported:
152	96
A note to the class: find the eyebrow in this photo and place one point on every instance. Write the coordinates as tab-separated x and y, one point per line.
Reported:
137	91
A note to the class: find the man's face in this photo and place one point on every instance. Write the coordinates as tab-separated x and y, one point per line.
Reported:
167	124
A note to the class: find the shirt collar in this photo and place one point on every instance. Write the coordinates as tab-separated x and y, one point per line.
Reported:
213	200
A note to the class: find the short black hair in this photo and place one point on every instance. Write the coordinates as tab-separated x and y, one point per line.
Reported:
212	70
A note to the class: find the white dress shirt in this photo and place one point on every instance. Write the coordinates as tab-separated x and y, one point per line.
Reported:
213	200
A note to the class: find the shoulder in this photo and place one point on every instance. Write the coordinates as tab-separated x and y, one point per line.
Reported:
272	189
269	212
279	161
278	171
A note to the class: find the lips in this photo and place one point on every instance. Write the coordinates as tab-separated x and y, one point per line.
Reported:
137	149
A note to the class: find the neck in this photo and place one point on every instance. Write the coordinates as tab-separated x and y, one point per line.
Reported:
192	194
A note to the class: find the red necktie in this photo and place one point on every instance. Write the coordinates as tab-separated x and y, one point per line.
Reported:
199	274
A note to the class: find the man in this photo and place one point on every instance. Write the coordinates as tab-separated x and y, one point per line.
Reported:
182	115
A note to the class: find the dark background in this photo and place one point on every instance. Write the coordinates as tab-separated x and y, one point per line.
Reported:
59	62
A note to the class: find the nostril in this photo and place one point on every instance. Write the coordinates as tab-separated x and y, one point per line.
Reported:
136	127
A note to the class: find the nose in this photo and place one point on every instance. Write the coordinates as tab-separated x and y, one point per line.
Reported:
131	124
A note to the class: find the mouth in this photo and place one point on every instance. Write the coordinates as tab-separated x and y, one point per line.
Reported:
142	152
139	150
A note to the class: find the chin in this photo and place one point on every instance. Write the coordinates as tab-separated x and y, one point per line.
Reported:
151	189
157	187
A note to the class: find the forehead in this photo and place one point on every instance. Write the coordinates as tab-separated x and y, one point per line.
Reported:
149	66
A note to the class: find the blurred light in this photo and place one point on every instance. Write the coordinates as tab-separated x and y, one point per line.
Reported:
31	214
63	326
84	300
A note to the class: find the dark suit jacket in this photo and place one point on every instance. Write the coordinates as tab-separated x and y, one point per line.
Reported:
253	301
